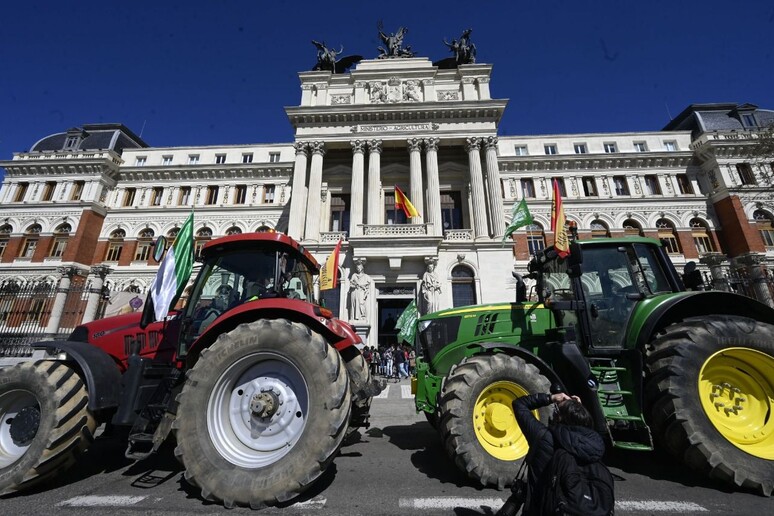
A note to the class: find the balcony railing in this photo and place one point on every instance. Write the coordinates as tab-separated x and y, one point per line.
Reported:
390	230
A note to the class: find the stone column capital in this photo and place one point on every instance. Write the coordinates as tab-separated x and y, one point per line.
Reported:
358	146
301	148
69	271
472	144
490	142
375	146
414	144
750	259
431	144
712	259
101	271
317	148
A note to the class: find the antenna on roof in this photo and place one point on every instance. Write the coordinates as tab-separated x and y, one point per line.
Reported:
143	127
665	105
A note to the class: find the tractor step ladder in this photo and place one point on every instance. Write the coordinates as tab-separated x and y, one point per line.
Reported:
626	424
142	437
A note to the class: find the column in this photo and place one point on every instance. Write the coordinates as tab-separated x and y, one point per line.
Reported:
472	145
715	262
375	208
433	215
752	262
313	200
357	188
494	188
59	301
415	177
297	216
95	292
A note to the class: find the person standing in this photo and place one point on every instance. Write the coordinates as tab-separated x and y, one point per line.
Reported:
400	361
390	361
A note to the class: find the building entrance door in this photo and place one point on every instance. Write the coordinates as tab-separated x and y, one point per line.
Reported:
389	311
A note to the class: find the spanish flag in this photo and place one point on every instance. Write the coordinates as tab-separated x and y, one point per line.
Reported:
329	274
402	202
561	241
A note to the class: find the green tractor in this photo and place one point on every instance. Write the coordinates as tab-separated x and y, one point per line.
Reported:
692	371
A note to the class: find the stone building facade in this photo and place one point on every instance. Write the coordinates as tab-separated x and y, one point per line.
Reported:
87	203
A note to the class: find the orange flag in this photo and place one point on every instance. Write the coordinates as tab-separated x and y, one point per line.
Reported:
402	202
329	274
561	242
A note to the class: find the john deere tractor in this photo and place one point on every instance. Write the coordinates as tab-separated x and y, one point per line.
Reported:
692	372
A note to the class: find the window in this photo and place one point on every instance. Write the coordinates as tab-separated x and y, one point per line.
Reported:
233	230
528	188
521	150
129	194
599	229
651	185
35	310
115	245
701	238
632	228
745	174
268	194
247	158
684	184
72	142
580	148
560	184
589	186
156	194
184	196
5	231
640	147
451	210
21	192
77	190
550	149
193	159
166	160
144	245
392	215
339	212
220	159
30	243
274	157
48	191
748	120
463	286
202	237
670	146
212	195
61	236
536	239
666	233
620	185
610	147
140	161
240	194
765	224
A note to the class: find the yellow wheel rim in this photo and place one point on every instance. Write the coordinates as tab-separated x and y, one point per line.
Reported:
495	426
736	387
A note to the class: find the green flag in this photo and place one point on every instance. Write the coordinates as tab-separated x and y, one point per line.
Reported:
407	324
520	217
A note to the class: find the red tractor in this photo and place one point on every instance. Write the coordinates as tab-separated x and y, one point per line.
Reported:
258	384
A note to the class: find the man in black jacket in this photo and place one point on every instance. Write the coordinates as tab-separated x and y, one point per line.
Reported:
571	428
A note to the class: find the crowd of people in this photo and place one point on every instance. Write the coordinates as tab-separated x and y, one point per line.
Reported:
391	362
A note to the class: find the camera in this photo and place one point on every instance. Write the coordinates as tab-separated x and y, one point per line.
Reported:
516	500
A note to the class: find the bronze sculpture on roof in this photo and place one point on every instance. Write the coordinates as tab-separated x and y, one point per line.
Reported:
327	59
393	43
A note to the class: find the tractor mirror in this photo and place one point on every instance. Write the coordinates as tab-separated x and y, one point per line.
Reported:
159	247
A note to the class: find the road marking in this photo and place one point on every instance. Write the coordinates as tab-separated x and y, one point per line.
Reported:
102	501
658	506
314	503
405	392
449	502
385	392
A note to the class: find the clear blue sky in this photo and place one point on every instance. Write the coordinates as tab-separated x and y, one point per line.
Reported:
220	72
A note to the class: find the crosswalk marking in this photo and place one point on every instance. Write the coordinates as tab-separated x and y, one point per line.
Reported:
405	392
102	501
658	506
382	395
454	502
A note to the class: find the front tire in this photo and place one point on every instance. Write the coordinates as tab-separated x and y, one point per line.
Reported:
262	414
476	421
711	397
45	423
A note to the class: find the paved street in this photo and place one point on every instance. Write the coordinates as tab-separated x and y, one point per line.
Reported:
398	467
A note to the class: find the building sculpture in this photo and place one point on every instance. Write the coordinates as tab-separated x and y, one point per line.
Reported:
359	293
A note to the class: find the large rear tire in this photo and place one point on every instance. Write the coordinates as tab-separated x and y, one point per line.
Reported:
476	422
45	423
710	394
262	414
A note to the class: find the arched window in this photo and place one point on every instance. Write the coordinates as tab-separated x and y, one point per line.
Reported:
61	236
463	286
115	245
599	229
536	238
701	237
5	232
233	230
264	229
765	223
666	233
202	236
31	237
144	245
632	228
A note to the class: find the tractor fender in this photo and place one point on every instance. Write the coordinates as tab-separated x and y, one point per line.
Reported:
716	302
98	370
526	355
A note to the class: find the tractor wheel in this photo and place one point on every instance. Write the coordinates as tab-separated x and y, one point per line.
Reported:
45	422
262	414
711	397
363	388
476	420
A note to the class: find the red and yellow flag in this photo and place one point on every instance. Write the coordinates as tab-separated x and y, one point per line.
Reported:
402	202
561	241
329	274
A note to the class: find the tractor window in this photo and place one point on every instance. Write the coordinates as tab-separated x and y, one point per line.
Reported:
648	272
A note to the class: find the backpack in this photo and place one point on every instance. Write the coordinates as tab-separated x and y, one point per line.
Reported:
570	488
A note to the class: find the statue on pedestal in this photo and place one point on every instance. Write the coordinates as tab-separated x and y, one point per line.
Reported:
327	59
359	291
393	44
430	289
463	49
